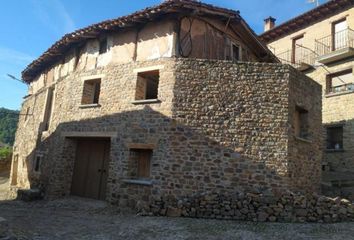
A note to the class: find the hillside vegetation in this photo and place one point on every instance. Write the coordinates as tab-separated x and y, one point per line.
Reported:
8	125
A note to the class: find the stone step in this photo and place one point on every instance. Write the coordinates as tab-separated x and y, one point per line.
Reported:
29	195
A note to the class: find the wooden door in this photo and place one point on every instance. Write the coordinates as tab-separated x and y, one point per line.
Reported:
91	169
14	171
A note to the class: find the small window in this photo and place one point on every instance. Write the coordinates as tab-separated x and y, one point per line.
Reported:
103	46
27	113
48	108
91	92
140	163
78	52
301	123
37	163
340	82
147	85
235	52
335	138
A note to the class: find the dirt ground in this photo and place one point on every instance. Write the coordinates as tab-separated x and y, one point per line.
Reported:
76	218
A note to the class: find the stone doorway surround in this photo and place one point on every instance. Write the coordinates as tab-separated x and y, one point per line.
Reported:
73	141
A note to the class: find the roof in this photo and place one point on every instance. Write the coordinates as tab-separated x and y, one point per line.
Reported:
58	49
317	14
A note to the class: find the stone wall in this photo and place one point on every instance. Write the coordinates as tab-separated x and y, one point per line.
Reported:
217	125
338	109
248	109
256	207
305	155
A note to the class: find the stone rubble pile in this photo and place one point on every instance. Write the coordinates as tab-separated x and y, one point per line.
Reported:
257	207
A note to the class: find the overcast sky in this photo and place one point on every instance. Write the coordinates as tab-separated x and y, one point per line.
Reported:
29	27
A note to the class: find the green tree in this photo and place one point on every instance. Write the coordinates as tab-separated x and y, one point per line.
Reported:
8	125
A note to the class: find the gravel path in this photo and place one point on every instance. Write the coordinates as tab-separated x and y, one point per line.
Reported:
77	218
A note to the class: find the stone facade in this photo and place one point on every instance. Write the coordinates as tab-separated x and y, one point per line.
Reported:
219	125
338	108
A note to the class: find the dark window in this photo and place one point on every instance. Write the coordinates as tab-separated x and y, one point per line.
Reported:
37	163
236	52
301	123
91	92
340	82
147	85
335	137
103	46
78	52
48	109
141	161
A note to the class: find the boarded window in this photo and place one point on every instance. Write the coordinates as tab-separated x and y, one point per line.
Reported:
301	123
91	92
341	81
335	137
48	109
147	85
236	52
103	46
141	161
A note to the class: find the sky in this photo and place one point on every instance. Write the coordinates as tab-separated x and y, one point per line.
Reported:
30	27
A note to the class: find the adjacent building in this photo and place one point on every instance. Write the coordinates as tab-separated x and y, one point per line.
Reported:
320	43
169	101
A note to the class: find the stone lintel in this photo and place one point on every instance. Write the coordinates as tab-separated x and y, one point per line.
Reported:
141	145
89	134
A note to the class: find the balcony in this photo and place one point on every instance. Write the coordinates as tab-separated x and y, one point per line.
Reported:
300	58
335	47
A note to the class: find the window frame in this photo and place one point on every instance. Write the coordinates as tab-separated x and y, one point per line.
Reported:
139	151
14	170
298	123
95	98
49	106
239	51
103	46
293	47
333	31
140	77
341	126
329	79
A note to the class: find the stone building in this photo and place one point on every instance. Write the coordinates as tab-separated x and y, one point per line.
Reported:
169	101
320	43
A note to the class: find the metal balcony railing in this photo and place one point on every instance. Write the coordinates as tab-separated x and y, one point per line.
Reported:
297	57
334	42
341	88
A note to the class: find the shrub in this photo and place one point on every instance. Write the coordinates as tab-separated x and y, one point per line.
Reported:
5	153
